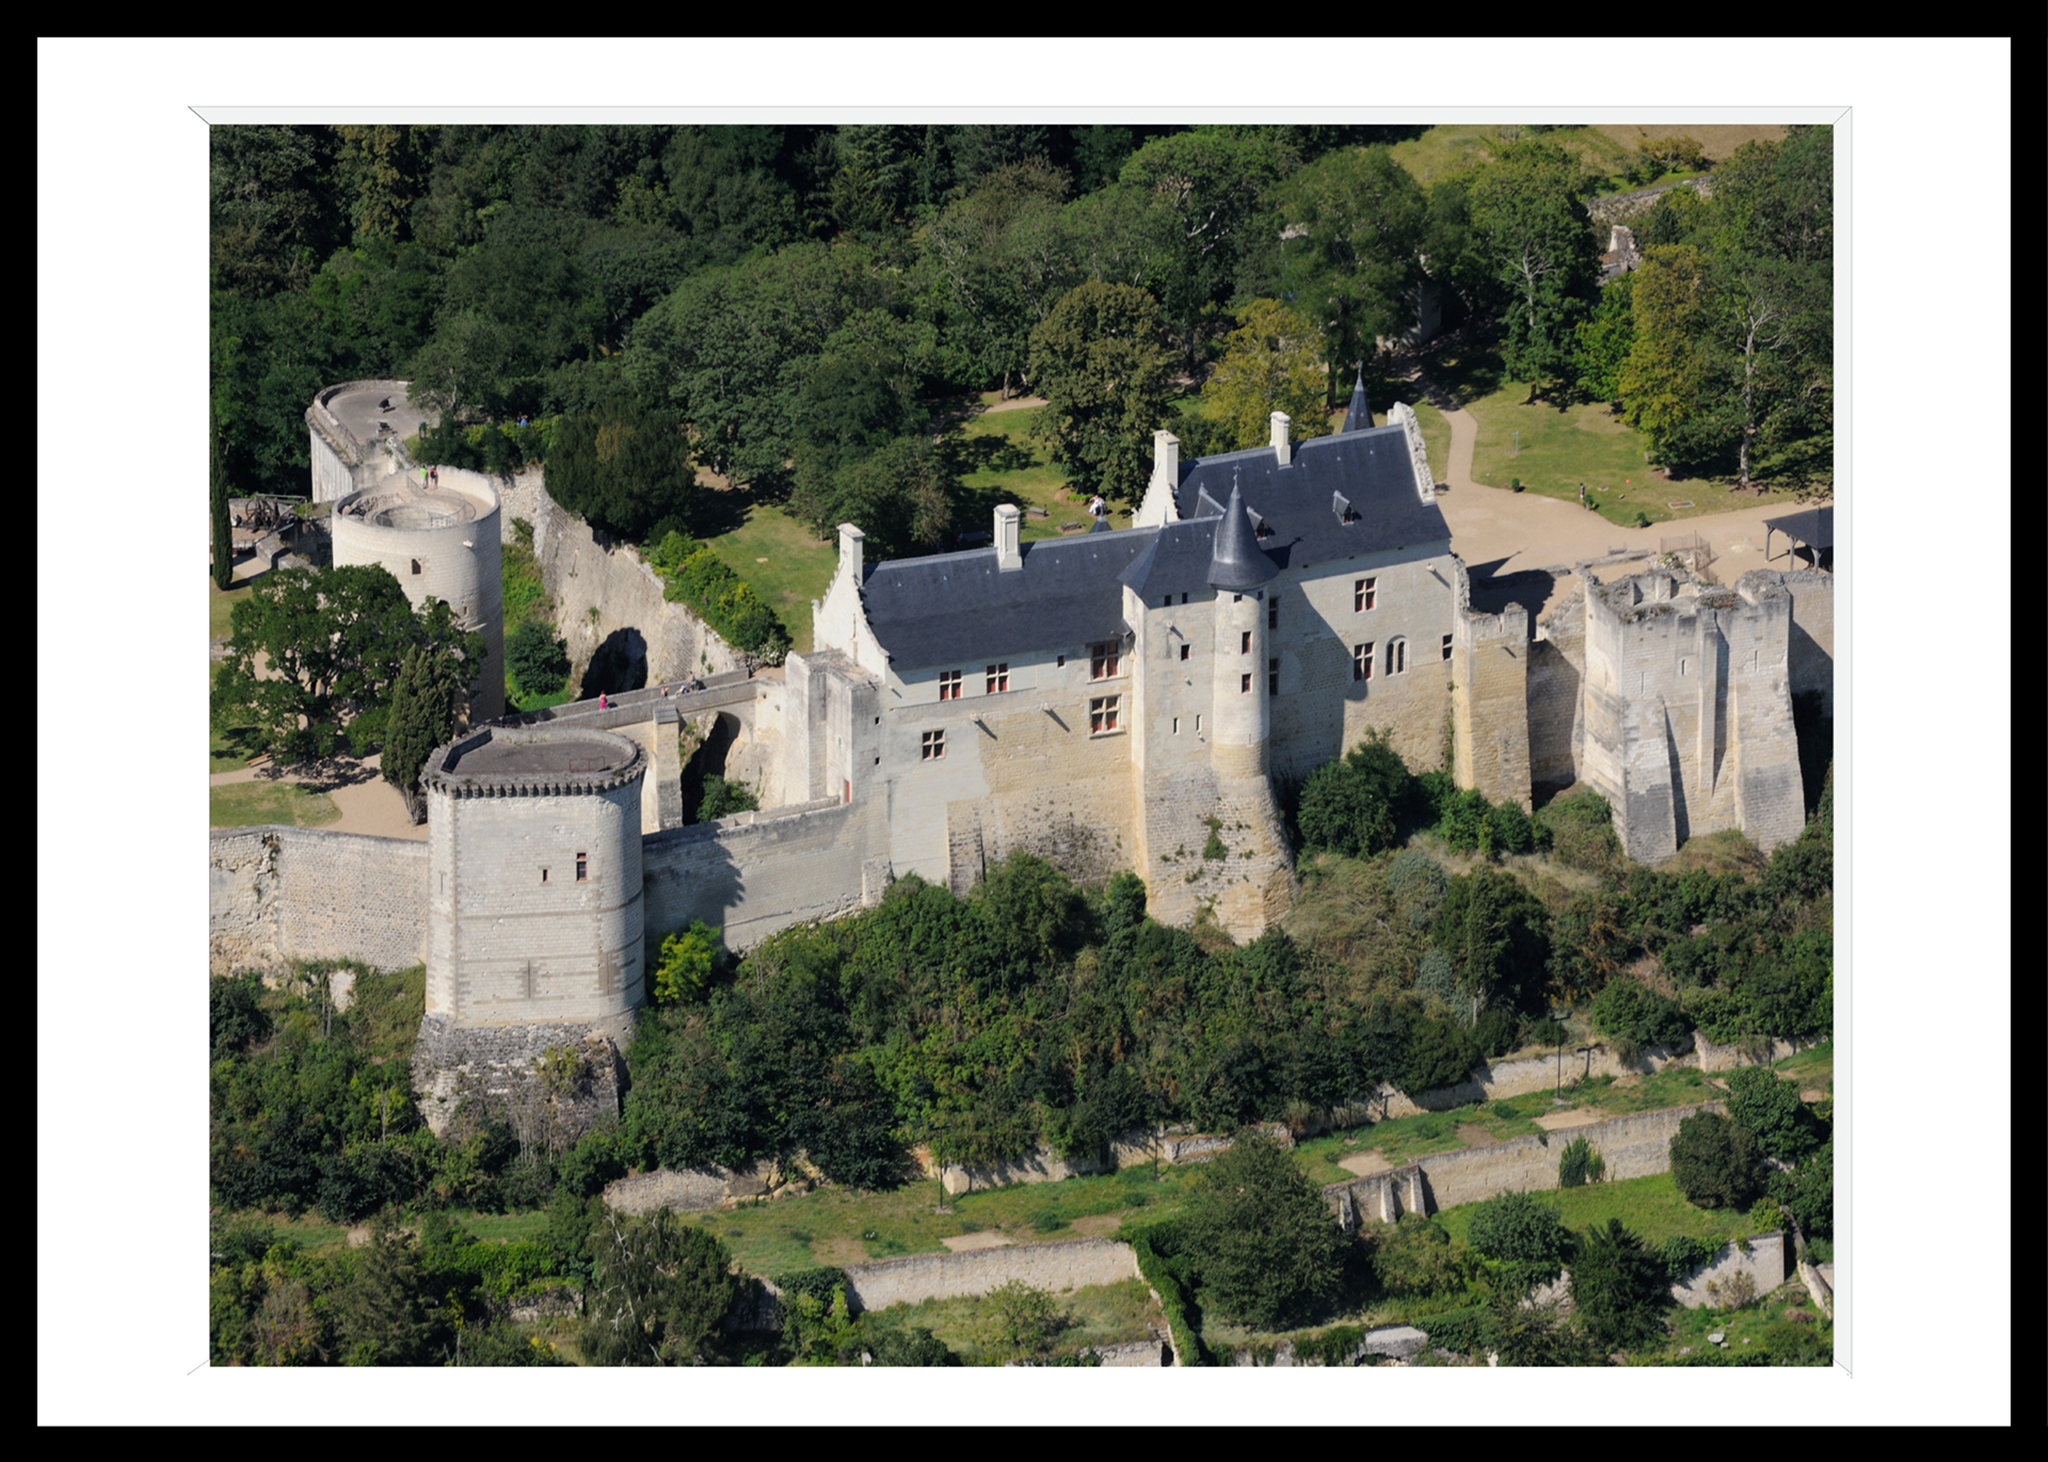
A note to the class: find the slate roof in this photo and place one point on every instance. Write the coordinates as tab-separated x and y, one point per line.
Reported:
957	608
1370	469
954	609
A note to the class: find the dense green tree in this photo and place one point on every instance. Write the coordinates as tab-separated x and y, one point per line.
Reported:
1770	1108
1260	1234
1362	217
538	660
335	641
627	472
217	495
1272	362
381	1310
1418	1257
727	349
689	958
1526	210
1619	1288
272	217
1210	182
1714	1162
1097	362
1522	1239
723	798
913	1345
1494	930
1604	340
1357	806
377	169
659	1291
1522	1333
996	262
1809	1192
424	699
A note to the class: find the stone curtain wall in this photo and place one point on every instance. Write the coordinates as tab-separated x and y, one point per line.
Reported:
757	872
1531	1073
1621	207
1073	1264
581	573
278	894
1634	1146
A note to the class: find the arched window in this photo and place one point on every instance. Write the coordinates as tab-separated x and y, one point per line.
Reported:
1397	656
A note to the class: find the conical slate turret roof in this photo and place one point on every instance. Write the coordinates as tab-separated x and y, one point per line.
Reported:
1359	417
1237	562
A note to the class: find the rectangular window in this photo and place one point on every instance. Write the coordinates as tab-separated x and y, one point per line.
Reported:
1364	595
1361	661
1184	651
1273	612
1166	601
999	678
934	747
1198	723
1272	677
1102	714
1244	685
1102	660
543	875
1176	731
1447	647
1060	662
1244	643
949	685
1183	598
583	868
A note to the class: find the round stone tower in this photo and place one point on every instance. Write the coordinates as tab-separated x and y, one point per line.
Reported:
441	544
534	908
1239	572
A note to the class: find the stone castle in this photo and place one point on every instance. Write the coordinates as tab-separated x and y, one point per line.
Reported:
1121	699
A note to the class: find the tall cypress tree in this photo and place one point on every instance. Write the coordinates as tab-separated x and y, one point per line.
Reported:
422	718
223	541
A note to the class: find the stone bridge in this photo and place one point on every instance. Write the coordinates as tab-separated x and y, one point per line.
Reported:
725	715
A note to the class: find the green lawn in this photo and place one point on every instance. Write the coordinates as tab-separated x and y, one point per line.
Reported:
230	750
835	1226
1559	448
1099	1315
786	563
1651	1207
219	606
254	804
1811	1068
1452	148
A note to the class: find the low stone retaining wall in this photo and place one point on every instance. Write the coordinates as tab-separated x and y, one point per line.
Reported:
1064	1265
1817	1285
1632	1147
1396	1341
1761	1260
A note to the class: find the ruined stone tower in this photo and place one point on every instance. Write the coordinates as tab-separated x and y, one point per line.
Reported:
534	920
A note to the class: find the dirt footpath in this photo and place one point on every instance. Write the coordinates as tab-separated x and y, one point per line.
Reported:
368	804
1534	540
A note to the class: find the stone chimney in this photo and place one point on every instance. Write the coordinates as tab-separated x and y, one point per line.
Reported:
1008	522
1281	448
850	541
1166	460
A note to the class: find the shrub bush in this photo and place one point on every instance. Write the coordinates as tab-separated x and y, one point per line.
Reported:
1770	1108
1683	1256
1579	1164
1714	1162
1581	831
1521	1236
1495	1031
1439	1053
1260	1234
538	661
